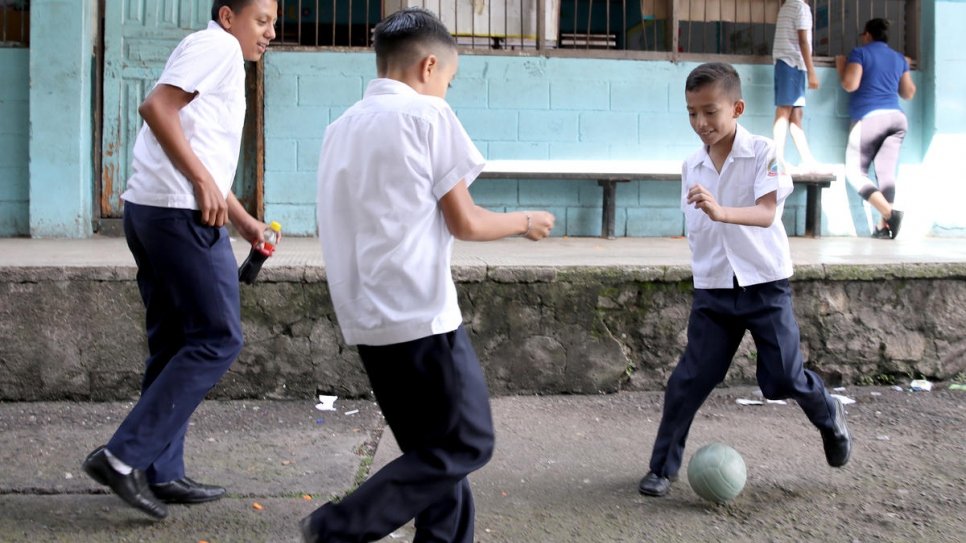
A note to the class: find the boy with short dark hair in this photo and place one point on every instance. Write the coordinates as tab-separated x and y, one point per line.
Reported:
392	194
177	201
732	194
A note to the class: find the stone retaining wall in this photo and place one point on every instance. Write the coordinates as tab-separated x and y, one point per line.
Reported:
78	333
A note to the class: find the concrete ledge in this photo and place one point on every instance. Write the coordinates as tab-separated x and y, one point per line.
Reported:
77	332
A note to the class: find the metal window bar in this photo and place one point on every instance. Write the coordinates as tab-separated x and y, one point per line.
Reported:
14	23
666	27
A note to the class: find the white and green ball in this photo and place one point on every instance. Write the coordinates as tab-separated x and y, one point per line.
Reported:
717	473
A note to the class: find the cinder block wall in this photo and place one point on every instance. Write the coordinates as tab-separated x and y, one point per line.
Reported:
537	107
14	139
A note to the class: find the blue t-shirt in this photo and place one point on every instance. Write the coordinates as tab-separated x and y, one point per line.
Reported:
881	70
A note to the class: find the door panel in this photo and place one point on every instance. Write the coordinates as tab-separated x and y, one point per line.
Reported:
139	35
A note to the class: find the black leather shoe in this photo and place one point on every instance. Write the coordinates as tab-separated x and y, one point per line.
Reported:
654	485
185	490
838	440
132	488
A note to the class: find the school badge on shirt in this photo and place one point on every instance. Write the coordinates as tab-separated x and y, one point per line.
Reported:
773	168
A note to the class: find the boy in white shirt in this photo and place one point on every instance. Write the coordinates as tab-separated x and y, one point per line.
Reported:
792	54
392	193
175	207
732	195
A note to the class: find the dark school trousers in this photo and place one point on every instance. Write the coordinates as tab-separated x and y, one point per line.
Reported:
188	279
434	398
719	318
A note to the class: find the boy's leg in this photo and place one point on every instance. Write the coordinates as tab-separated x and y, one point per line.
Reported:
798	136
193	274
789	96
781	373
434	397
713	338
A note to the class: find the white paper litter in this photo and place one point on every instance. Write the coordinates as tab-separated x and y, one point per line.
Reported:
920	384
844	399
776	402
326	403
353	412
743	401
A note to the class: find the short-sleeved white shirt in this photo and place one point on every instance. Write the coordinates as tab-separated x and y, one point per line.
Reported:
209	63
384	165
720	252
793	16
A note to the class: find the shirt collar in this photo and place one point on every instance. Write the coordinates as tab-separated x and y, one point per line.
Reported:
213	25
383	85
742	147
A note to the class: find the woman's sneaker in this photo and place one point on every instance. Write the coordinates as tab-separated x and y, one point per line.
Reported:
894	221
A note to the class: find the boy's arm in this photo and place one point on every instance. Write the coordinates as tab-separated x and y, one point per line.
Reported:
160	111
806	48
470	222
761	214
248	227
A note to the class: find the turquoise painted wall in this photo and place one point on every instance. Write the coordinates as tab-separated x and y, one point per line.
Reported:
942	181
61	118
537	107
14	137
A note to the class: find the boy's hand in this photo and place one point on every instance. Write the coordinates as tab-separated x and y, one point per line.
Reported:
213	208
812	80
702	199
541	223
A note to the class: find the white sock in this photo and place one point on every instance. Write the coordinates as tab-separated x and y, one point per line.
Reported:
116	463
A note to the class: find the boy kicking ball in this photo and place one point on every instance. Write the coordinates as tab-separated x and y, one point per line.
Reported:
733	194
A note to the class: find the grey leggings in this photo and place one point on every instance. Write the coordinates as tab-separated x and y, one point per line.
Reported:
876	138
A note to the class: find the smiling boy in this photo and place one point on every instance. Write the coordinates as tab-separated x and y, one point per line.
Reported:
732	196
177	201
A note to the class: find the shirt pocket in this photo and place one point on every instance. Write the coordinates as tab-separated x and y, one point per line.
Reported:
695	220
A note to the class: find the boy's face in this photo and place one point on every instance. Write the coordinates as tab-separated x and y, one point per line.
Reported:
439	79
713	113
253	26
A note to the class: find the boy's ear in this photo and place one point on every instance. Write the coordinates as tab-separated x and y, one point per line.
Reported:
739	108
225	15
427	66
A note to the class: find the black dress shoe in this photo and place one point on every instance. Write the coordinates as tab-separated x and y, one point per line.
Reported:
185	490
838	440
132	488
654	485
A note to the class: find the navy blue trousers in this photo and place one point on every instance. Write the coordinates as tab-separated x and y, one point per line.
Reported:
434	398
719	318
188	279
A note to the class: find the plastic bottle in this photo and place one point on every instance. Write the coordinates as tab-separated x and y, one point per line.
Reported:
259	253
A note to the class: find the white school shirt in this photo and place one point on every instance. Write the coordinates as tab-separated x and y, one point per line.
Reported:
720	252
793	16
209	63
384	165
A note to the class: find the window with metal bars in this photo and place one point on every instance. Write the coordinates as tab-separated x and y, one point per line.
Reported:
667	28
14	23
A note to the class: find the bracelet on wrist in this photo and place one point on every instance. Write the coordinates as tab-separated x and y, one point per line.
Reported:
529	224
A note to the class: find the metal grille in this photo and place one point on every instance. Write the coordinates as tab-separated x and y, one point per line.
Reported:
666	27
14	23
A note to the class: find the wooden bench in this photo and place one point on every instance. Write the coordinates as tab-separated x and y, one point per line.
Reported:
608	173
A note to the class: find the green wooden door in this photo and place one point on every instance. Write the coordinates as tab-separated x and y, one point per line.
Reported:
138	37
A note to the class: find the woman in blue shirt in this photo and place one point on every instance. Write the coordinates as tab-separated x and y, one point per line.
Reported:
876	76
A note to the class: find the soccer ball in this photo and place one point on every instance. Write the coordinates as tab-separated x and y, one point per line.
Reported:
717	473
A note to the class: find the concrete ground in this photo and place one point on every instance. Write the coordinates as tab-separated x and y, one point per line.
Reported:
566	470
566	467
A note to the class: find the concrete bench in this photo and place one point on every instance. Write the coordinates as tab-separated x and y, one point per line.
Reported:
608	173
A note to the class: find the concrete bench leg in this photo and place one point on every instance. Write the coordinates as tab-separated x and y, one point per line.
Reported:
813	211
609	211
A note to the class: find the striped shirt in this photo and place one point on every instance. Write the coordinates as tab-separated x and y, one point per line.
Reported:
793	16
